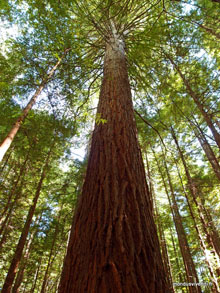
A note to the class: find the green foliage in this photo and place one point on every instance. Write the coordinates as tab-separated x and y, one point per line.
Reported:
99	119
155	33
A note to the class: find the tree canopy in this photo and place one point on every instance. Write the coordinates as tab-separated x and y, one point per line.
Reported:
54	52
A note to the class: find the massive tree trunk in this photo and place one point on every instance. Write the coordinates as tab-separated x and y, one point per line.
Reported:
113	245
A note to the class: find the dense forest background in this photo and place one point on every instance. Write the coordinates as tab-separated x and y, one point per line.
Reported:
53	51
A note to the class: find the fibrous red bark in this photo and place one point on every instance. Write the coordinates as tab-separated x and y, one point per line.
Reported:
113	245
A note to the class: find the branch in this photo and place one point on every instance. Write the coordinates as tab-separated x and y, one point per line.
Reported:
145	121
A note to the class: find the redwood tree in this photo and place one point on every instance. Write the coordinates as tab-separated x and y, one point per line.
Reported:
21	243
113	244
4	146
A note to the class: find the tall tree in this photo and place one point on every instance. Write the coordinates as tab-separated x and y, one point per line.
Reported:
113	242
191	273
10	136
213	235
197	99
20	246
115	210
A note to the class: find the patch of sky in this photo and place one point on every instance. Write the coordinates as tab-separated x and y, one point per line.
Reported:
6	32
202	54
188	7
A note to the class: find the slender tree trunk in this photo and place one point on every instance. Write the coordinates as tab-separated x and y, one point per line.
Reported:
36	276
163	245
9	214
184	246
54	286
20	274
196	195
182	279
4	235
202	241
11	169
11	135
191	273
151	187
7	206
196	99
212	230
208	151
45	280
20	246
6	161
217	123
113	245
166	259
